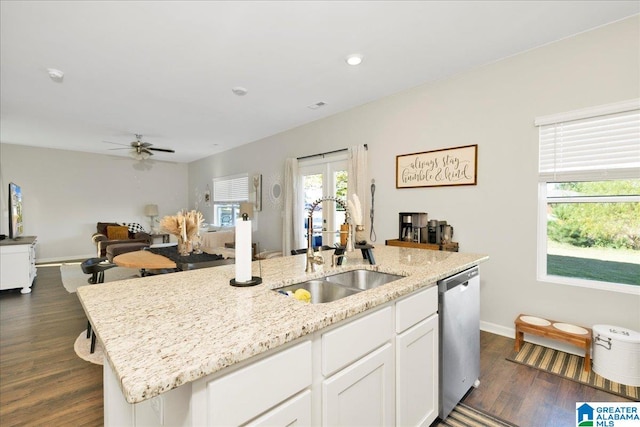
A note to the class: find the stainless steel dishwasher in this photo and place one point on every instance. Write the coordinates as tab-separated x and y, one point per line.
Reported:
459	310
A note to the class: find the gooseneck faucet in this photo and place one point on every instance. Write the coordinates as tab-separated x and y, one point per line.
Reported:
312	259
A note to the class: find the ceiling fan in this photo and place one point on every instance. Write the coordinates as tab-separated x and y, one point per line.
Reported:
140	150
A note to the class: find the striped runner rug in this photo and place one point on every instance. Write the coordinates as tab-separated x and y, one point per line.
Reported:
465	416
569	366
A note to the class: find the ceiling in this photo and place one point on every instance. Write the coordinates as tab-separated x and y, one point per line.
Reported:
166	69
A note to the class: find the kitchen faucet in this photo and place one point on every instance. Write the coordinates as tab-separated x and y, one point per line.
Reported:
312	259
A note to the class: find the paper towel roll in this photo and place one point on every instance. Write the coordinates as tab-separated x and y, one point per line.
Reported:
243	251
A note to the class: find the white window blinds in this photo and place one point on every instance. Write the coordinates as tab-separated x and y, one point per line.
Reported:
231	189
594	144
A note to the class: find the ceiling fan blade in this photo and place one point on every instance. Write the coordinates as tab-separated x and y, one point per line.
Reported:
146	151
164	150
123	148
142	144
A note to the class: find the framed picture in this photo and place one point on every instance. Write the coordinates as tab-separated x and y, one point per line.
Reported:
438	168
257	186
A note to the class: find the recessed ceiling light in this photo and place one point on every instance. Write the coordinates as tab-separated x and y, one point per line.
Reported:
354	59
239	90
55	75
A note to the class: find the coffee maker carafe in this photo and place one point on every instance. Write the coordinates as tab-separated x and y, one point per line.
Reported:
412	226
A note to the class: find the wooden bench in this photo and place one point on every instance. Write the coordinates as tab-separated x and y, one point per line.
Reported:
571	334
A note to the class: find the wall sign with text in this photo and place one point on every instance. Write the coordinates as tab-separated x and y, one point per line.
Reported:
449	166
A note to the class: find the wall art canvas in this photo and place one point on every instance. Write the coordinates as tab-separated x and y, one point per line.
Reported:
437	168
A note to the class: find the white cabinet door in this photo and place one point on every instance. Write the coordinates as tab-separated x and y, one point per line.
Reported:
362	393
294	412
417	374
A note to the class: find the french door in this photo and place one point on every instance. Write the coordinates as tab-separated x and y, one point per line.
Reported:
320	178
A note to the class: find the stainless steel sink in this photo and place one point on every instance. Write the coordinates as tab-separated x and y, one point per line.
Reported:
362	279
321	291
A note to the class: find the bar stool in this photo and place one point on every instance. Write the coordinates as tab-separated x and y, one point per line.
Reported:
96	267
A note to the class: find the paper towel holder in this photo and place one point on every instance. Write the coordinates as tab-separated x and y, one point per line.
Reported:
255	280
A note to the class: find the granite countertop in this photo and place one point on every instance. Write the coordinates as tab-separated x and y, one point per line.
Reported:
163	331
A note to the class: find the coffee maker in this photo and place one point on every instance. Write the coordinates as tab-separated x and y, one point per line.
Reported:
412	227
439	232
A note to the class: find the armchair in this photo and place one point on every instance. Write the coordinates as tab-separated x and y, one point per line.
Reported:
109	233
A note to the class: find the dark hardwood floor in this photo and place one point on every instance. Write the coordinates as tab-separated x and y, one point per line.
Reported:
525	396
43	382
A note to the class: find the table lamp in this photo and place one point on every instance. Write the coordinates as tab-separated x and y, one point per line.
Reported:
151	211
246	208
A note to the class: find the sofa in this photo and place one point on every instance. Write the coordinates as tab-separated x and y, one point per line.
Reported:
112	233
214	242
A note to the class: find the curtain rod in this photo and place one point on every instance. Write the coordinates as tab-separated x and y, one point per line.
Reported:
328	152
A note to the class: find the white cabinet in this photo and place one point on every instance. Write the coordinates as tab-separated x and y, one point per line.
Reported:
417	374
348	343
362	393
379	368
248	392
417	358
18	263
294	412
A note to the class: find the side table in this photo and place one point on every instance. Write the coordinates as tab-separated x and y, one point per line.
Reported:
165	237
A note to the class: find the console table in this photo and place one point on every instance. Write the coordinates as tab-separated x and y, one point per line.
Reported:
18	263
450	247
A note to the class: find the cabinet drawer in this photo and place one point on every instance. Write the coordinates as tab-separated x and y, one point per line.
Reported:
416	308
246	393
294	412
350	342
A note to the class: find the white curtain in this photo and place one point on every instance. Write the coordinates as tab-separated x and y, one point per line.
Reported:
292	224
358	175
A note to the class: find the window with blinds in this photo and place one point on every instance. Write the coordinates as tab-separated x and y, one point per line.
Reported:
228	193
589	197
602	147
231	188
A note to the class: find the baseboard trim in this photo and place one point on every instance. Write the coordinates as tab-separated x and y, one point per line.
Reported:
510	332
53	260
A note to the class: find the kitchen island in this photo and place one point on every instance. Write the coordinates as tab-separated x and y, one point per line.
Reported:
166	337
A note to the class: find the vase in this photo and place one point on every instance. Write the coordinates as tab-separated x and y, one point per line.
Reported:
197	245
360	237
184	246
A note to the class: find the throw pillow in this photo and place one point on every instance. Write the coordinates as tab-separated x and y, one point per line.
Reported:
117	232
134	227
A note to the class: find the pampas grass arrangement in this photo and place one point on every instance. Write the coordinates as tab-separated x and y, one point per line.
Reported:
184	225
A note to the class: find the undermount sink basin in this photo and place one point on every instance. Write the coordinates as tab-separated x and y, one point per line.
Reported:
362	279
321	291
341	285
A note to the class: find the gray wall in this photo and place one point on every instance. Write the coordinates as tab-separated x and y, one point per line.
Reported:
493	106
65	193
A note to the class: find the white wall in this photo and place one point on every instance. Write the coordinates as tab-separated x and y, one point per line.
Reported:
493	106
66	193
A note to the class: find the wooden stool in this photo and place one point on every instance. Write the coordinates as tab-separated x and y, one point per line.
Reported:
572	334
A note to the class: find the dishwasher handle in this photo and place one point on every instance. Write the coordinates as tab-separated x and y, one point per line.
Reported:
461	278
